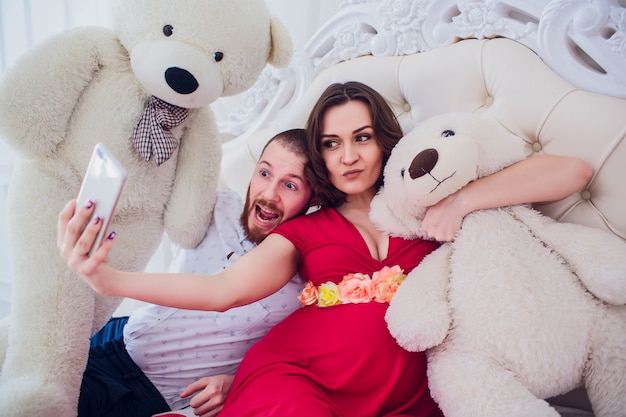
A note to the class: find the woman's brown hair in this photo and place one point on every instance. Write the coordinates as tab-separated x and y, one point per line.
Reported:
386	129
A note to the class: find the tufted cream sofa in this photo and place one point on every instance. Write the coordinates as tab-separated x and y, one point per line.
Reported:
500	77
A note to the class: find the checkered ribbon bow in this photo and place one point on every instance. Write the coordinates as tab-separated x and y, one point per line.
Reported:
152	134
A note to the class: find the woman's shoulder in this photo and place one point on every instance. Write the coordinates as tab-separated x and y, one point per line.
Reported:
316	221
321	215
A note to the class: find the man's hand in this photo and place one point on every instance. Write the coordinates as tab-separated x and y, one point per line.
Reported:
213	392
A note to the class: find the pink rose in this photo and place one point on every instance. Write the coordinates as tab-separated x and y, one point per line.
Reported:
308	295
356	288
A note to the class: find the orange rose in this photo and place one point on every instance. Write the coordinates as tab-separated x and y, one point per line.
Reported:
386	283
356	288
384	291
308	295
388	274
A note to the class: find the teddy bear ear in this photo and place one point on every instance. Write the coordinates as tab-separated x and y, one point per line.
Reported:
282	48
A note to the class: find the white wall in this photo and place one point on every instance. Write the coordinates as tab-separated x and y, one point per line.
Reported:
25	22
303	17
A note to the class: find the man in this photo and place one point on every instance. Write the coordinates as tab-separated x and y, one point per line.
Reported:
154	360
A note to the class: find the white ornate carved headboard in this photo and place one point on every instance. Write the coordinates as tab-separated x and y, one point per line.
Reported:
561	85
583	41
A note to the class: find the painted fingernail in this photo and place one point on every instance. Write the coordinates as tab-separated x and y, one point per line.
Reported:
96	219
89	204
111	236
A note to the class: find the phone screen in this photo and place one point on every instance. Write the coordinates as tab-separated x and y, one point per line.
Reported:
102	184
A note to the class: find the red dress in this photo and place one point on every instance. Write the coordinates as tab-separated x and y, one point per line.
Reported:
338	360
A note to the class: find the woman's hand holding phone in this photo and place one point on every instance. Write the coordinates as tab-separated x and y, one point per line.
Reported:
102	186
76	234
83	223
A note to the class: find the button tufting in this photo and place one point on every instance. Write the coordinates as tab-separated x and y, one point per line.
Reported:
406	107
488	101
585	194
537	147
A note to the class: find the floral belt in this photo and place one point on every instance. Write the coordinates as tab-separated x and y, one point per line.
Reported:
355	289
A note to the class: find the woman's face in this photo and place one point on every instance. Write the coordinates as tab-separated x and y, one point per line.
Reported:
351	153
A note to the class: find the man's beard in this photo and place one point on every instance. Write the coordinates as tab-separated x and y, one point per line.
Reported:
256	234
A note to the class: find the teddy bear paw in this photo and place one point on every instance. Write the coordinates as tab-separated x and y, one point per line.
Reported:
29	396
417	335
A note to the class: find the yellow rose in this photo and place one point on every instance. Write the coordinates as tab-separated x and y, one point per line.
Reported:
328	294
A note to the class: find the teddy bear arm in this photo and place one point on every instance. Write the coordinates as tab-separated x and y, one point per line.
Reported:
39	93
418	316
190	207
597	257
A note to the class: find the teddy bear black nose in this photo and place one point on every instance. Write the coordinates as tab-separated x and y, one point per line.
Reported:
181	80
423	163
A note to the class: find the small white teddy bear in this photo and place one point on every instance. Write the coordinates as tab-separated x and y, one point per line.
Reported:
142	89
519	307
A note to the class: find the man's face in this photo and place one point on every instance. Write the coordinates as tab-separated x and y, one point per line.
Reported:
277	192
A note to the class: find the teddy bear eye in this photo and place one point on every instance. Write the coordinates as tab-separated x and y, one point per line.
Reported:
218	56
168	30
447	133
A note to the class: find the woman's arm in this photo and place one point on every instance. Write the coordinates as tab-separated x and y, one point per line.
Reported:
533	180
250	278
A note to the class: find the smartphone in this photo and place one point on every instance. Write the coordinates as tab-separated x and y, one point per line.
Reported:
102	184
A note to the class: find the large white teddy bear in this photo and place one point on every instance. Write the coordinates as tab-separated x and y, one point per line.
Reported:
142	89
519	307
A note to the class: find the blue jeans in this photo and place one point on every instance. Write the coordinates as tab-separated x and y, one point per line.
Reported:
113	385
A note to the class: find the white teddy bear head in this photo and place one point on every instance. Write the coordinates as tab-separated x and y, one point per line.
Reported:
184	61
434	160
